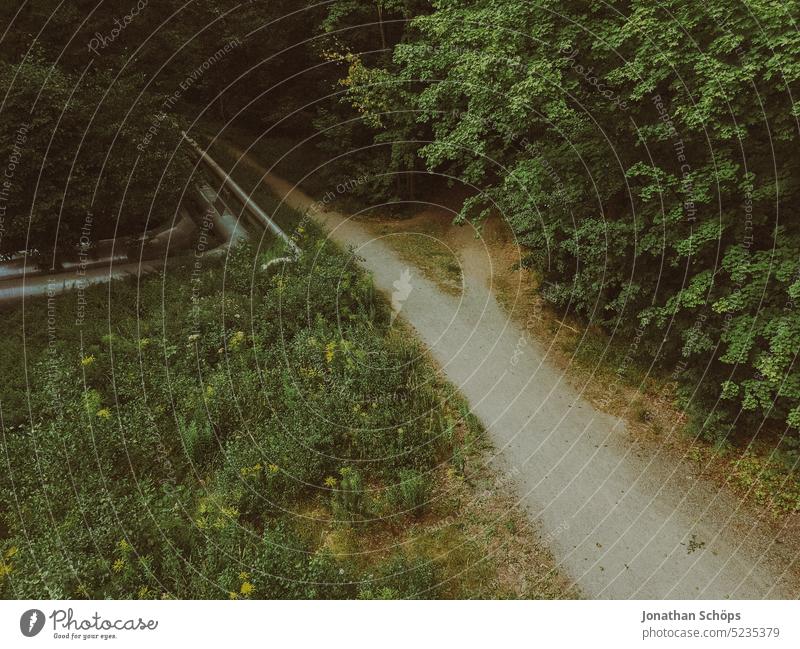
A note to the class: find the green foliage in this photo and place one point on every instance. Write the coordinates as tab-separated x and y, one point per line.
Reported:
643	152
95	98
349	499
196	439
401	578
71	137
163	447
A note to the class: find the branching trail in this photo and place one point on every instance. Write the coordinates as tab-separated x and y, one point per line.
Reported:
621	526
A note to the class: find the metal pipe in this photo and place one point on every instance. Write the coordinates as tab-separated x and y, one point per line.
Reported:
35	283
245	199
20	278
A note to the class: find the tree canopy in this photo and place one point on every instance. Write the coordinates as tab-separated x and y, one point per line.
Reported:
642	152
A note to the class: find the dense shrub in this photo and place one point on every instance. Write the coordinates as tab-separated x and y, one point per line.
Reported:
643	152
170	441
411	493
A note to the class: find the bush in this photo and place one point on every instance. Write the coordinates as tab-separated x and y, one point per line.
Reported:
173	453
411	493
688	252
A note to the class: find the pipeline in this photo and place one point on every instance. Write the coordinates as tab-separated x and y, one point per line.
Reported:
248	203
21	278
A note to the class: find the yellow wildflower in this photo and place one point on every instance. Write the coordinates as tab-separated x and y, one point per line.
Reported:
247	588
119	564
273	468
330	351
236	340
87	360
104	413
124	546
330	481
244	576
232	595
250	470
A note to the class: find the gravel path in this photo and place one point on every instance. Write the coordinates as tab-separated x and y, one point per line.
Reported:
622	526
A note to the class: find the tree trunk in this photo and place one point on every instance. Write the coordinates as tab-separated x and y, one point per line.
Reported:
380	23
222	112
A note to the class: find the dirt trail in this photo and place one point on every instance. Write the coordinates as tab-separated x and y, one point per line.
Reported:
620	525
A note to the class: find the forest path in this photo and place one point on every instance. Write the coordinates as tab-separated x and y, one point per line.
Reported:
622	526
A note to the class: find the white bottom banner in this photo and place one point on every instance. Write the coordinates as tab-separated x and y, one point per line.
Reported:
400	624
